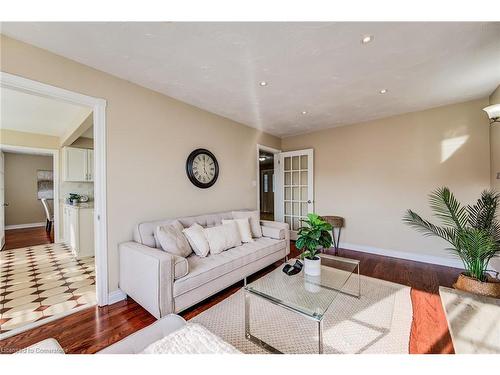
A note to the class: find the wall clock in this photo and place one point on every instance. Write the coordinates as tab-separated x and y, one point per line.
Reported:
202	168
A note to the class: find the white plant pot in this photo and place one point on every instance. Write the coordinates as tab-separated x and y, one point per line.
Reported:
312	283
312	267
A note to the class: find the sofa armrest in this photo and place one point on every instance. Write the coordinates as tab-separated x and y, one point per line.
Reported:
279	226
147	275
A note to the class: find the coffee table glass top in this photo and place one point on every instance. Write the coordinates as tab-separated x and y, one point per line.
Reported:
309	295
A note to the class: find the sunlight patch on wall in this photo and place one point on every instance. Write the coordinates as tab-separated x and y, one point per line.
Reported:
451	145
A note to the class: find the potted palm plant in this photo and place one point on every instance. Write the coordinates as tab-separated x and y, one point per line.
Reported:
311	238
473	232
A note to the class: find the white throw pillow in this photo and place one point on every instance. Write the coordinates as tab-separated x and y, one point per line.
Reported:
172	240
196	238
254	218
222	237
243	228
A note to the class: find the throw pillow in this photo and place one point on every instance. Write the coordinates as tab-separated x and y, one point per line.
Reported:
222	237
243	228
254	218
196	238
172	240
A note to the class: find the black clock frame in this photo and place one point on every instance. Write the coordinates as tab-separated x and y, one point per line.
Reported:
189	168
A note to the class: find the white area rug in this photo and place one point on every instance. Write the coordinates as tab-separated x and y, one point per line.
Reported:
378	322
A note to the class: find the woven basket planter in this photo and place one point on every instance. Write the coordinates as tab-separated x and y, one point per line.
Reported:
490	288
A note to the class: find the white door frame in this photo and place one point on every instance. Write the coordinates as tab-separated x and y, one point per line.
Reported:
56	173
276	185
98	106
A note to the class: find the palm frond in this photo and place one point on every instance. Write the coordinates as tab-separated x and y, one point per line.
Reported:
427	228
483	214
447	208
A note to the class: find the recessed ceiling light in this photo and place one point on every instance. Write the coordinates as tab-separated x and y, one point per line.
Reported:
304	112
367	39
383	91
263	83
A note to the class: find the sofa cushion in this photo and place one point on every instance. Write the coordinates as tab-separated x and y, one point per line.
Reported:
196	237
254	218
144	232
243	228
222	237
203	270
172	240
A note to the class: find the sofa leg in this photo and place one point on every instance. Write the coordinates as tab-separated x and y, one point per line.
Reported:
286	258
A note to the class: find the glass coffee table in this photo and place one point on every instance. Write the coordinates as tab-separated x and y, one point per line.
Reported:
308	296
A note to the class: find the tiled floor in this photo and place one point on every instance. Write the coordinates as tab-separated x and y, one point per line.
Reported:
40	282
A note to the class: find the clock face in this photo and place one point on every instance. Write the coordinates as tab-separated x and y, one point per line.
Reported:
202	168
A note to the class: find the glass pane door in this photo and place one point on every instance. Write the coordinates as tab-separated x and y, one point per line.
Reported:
297	187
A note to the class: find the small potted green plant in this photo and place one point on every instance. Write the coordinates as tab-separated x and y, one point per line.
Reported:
311	238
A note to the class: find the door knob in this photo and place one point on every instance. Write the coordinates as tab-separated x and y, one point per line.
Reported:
5	204
309	201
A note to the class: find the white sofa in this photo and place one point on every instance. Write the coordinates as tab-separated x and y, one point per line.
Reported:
163	283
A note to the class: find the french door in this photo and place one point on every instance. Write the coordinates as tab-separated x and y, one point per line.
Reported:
296	185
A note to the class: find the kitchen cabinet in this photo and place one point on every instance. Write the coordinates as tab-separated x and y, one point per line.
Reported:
78	164
78	229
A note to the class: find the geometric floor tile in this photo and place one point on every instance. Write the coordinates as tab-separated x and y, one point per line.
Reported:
39	282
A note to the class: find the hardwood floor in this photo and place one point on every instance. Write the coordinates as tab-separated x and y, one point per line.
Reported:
16	238
95	328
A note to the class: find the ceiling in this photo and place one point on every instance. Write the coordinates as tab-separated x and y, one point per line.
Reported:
36	114
89	133
322	69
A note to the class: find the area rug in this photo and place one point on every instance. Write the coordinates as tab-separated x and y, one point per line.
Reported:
42	283
377	322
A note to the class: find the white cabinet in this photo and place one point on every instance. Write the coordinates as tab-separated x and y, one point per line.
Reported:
78	223
78	164
90	165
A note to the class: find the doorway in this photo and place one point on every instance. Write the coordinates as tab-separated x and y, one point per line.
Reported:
30	197
296	176
267	188
266	182
71	279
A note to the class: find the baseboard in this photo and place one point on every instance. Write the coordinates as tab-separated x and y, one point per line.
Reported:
22	226
116	296
449	262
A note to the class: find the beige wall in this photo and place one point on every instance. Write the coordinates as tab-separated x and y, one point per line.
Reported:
21	188
495	144
495	158
149	138
370	173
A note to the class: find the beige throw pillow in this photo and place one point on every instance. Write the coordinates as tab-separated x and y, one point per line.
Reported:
172	240
254	218
196	238
222	237
243	228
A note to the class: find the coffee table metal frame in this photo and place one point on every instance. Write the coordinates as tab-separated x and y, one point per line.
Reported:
318	319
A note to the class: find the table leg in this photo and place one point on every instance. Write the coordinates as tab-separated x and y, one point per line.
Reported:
320	336
359	283
247	315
